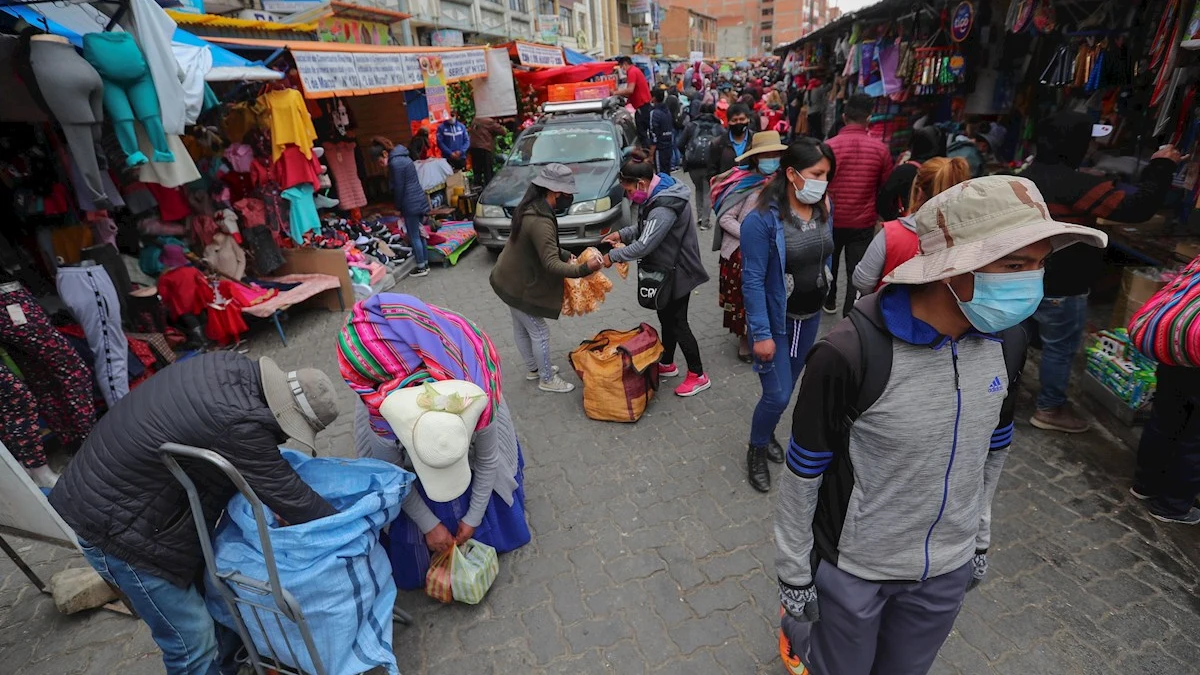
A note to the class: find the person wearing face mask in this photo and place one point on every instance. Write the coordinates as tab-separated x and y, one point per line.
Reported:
728	146
664	238
900	433
530	272
734	196
637	91
786	242
454	140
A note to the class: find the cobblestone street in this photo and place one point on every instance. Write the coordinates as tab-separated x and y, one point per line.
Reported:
652	554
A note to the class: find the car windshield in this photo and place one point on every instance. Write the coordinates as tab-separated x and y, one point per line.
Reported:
565	143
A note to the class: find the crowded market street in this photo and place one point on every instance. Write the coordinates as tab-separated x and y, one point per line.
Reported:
651	554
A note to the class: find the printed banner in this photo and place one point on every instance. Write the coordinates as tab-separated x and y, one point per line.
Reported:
435	88
328	73
539	55
548	28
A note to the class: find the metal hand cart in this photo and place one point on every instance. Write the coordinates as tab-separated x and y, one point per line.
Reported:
264	599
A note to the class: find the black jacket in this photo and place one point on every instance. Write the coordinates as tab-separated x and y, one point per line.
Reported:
119	497
722	156
1081	198
892	200
705	125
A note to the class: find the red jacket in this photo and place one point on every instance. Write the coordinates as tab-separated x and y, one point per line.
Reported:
863	164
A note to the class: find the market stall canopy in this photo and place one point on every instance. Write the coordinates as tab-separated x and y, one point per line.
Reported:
73	21
884	9
575	58
681	68
330	69
565	74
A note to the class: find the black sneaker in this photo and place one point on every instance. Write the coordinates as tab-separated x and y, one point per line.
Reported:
420	272
1192	517
831	305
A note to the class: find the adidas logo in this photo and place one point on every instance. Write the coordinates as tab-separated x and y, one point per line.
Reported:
996	386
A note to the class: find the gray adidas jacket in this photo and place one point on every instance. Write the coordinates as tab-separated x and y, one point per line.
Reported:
901	491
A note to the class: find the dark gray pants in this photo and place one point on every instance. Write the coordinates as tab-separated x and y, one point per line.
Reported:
703	207
870	628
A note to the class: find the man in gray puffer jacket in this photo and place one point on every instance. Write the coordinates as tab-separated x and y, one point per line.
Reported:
132	517
410	198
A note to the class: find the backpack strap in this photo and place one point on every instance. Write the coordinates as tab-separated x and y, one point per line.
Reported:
1015	347
875	347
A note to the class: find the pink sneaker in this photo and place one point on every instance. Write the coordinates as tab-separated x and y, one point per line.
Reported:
668	371
693	384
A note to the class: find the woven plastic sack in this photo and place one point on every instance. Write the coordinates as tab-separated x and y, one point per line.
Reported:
473	568
437	579
1167	327
619	370
336	569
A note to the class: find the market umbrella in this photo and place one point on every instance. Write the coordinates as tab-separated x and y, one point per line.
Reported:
681	68
743	65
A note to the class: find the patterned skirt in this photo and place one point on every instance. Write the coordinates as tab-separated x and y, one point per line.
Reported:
729	294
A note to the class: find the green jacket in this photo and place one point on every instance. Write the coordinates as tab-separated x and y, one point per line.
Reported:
529	274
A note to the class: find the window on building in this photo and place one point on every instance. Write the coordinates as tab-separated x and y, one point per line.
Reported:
517	5
769	11
546	7
766	25
623	13
565	25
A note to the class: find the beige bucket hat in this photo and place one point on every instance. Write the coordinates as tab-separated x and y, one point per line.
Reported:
435	423
303	401
762	142
980	221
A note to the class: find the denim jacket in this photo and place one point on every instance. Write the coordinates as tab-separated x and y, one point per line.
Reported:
764	288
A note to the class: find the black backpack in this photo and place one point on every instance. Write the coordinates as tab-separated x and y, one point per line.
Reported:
876	349
696	154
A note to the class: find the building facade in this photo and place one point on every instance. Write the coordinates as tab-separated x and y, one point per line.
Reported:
768	22
683	31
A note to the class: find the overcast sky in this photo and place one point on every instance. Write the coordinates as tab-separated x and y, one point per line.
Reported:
851	5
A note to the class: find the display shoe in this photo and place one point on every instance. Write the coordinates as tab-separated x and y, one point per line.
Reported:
757	471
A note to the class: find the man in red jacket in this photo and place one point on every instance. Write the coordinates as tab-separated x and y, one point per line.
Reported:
863	164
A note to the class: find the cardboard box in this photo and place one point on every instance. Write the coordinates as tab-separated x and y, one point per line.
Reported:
320	261
1138	284
1187	249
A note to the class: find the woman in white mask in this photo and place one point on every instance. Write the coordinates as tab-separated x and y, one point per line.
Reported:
787	242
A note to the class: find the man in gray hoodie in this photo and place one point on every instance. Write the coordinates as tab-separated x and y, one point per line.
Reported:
900	432
412	201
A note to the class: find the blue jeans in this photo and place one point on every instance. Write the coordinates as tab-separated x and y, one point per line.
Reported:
178	619
1060	322
779	376
412	227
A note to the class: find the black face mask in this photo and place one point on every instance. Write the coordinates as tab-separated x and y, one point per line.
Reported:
563	203
738	129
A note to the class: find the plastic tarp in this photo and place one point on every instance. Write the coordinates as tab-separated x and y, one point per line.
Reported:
575	58
564	75
72	21
335	567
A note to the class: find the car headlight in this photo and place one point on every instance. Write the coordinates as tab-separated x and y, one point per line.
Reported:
489	211
591	206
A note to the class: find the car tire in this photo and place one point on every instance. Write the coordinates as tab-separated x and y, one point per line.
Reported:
494	250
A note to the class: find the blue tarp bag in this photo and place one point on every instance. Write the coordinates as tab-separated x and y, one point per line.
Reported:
335	567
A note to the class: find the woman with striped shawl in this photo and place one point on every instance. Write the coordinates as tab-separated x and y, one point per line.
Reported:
392	342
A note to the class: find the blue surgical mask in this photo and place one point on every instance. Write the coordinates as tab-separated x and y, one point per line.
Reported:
1002	301
768	166
812	191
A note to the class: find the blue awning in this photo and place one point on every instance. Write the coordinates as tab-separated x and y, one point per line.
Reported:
575	58
227	66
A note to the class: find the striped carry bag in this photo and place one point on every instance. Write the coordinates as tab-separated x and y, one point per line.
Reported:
1167	327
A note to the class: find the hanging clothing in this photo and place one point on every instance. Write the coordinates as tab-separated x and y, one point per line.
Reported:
168	174
341	160
239	119
253	212
226	256
58	379
172	204
93	301
128	93
83	193
290	122
108	256
74	92
293	168
195	62
225	324
19	421
303	213
239	156
265	255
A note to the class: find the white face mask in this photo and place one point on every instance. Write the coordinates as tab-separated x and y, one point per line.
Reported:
812	192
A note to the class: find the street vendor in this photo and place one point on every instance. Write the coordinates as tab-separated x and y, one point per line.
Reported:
132	517
429	384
